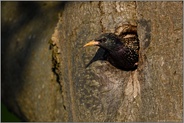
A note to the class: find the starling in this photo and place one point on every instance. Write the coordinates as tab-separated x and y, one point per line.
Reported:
120	48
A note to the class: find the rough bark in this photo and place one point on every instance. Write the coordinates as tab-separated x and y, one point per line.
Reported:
29	87
160	34
59	88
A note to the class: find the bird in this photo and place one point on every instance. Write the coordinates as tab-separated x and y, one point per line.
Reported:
120	49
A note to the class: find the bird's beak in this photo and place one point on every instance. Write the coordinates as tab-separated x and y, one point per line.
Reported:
91	43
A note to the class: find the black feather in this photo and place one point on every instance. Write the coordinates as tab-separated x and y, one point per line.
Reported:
101	54
120	49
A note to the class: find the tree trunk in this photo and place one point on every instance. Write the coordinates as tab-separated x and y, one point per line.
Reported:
101	92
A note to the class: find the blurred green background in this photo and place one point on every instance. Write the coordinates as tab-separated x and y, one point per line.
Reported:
7	116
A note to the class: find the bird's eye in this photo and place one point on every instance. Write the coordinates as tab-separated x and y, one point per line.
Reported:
103	40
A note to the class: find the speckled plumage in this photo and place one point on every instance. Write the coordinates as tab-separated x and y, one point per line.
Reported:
119	48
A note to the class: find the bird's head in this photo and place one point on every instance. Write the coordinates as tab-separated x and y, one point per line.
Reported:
106	41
